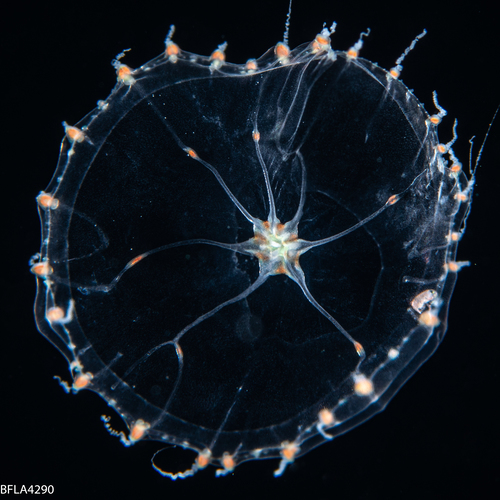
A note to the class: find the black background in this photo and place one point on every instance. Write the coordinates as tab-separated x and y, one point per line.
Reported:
438	437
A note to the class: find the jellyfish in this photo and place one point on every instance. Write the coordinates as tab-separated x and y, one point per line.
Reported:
248	260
